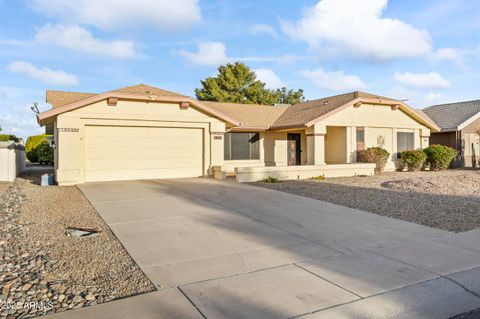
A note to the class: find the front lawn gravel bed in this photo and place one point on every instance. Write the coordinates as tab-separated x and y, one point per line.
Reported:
448	200
42	270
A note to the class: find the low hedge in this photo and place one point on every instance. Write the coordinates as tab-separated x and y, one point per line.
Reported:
45	153
413	160
375	155
31	146
8	137
439	157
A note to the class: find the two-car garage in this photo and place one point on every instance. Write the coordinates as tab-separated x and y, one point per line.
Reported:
135	152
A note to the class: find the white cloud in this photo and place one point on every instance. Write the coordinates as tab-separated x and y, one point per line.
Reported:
333	81
358	28
208	53
79	39
433	98
263	28
283	59
166	15
44	75
431	80
455	56
270	78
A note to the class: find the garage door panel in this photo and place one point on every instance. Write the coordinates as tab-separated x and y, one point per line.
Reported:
147	163
120	142
122	153
142	152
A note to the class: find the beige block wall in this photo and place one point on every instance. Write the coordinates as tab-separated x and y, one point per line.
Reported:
70	131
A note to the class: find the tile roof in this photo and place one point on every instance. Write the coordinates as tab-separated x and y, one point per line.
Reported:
61	98
249	115
302	113
450	116
145	89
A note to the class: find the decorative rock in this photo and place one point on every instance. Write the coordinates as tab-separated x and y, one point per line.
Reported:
90	297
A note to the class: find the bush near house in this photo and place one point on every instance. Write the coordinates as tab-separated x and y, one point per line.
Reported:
439	157
271	179
31	146
375	155
8	137
413	160
45	153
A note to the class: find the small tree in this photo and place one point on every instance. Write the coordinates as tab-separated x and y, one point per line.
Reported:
31	146
45	153
413	160
439	157
291	97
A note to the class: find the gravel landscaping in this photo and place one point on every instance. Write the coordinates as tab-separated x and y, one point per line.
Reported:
4	186
448	200
42	270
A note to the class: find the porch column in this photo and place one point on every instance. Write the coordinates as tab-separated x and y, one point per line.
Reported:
351	143
316	145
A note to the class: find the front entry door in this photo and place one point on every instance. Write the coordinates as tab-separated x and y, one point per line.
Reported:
294	150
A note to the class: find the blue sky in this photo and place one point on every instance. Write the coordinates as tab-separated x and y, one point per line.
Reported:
425	51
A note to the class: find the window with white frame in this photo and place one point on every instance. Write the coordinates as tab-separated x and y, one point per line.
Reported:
405	142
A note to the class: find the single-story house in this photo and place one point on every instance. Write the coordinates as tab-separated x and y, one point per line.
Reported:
143	132
459	123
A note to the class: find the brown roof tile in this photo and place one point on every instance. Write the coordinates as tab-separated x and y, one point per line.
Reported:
61	98
249	115
302	113
145	89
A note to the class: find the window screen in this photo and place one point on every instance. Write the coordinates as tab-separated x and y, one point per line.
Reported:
404	142
242	146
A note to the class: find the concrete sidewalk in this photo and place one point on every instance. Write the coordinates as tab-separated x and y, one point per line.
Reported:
224	250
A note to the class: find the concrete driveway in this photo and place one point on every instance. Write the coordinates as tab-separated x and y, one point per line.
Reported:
224	250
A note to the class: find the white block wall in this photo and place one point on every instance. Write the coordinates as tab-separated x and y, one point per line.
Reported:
12	161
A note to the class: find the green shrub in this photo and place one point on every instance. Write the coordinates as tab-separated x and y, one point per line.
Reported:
319	177
271	179
8	137
31	146
375	155
413	160
45	153
439	157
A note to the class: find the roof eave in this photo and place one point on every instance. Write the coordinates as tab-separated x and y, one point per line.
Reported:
44	117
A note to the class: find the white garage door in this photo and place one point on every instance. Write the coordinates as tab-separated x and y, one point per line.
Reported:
124	153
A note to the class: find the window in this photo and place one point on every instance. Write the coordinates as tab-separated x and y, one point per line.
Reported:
360	138
242	146
404	142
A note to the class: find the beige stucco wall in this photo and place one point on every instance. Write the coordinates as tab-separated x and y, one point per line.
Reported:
381	125
336	145
276	147
70	131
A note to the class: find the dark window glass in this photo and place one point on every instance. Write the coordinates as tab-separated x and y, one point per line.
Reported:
242	146
405	142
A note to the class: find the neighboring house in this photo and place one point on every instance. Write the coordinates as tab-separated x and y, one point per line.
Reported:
142	132
458	124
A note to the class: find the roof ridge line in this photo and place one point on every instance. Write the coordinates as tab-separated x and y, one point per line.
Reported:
444	104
